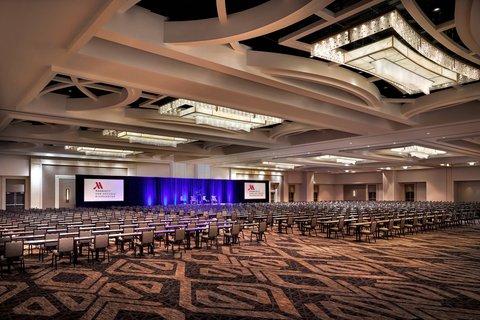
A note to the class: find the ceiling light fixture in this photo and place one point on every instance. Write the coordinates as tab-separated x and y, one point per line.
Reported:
422	69
281	165
338	159
405	167
445	164
144	138
471	163
418	151
89	151
217	116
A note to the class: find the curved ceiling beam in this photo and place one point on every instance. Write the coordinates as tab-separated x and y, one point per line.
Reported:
27	128
466	13
265	18
112	100
442	99
424	22
288	128
317	72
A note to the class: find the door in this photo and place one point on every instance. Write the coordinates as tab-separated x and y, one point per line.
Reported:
15	194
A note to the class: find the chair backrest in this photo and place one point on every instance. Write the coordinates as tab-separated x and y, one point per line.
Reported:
191	225
39	232
402	223
373	226
236	229
212	231
179	234
313	222
101	241
85	233
262	227
65	244
341	223
147	237
128	230
390	224
13	249
160	227
290	220
51	236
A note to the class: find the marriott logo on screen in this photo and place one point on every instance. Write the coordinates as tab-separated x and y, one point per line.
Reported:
98	186
251	187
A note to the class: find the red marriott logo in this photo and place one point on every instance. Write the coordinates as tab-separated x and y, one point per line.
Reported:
98	185
251	187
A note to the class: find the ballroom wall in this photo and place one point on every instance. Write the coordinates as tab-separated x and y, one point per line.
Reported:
439	184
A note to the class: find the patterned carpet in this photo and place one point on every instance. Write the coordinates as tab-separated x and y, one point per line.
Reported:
434	275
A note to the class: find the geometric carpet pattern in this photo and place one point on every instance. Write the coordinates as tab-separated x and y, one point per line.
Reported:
435	275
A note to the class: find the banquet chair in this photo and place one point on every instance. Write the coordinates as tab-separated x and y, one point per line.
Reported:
49	246
65	247
289	224
370	232
146	240
211	236
339	228
232	236
13	254
100	244
84	242
178	239
400	229
387	230
120	241
259	231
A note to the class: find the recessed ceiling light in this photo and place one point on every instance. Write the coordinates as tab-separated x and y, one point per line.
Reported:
471	163
436	9
351	142
406	167
428	133
347	170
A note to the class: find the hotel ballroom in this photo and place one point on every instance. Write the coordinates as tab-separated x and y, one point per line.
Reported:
240	159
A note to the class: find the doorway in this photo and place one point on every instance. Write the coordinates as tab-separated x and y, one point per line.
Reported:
410	192
15	194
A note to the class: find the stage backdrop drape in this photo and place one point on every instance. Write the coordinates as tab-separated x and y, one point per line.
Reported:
148	191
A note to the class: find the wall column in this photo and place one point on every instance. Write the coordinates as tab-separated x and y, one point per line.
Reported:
390	185
202	171
178	170
36	182
306	188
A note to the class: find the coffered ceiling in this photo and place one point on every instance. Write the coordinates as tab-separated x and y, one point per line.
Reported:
72	69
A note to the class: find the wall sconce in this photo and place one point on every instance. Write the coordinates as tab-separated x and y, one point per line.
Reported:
354	193
67	195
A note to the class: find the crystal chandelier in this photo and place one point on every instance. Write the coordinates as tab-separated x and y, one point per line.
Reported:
421	69
338	159
418	151
89	151
150	139
217	116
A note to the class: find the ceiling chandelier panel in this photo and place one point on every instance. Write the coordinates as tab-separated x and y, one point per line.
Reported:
421	69
149	139
89	151
217	116
282	165
418	151
347	161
